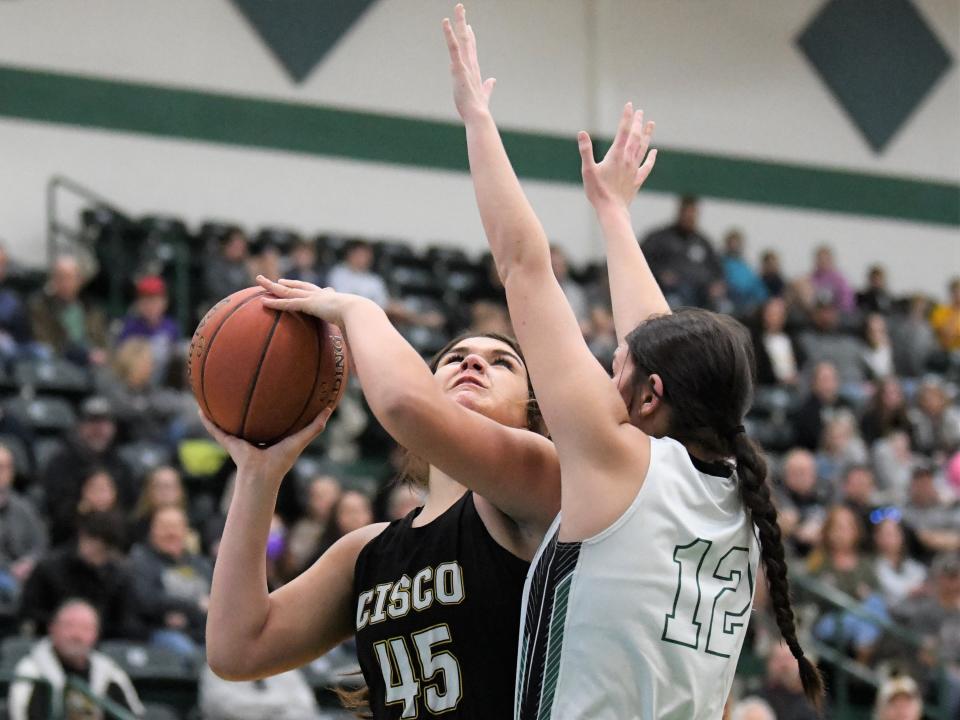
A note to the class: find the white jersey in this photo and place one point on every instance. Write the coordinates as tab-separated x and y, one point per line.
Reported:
646	619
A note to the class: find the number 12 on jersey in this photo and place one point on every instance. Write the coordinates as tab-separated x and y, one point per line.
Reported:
721	583
400	675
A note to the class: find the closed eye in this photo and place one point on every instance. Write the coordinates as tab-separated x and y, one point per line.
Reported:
453	357
504	361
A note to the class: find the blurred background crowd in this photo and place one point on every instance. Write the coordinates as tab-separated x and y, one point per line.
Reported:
111	491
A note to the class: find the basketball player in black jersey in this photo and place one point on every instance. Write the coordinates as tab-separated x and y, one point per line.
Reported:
434	598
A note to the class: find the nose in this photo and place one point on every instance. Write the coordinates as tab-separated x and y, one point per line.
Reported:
473	362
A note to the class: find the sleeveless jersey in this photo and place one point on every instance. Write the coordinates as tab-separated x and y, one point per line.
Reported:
644	620
437	618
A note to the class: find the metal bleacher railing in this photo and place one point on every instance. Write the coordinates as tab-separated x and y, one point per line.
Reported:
846	670
117	250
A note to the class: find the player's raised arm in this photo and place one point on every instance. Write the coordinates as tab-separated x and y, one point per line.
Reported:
582	408
515	469
611	185
252	633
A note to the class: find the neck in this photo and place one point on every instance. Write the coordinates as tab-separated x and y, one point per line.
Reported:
443	491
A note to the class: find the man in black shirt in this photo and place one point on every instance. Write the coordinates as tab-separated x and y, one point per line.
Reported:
683	259
91	570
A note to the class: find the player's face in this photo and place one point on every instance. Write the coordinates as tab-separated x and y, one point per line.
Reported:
487	376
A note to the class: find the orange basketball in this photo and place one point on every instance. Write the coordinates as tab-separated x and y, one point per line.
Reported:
263	374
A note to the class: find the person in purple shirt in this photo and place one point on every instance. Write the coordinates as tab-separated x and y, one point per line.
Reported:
148	319
827	280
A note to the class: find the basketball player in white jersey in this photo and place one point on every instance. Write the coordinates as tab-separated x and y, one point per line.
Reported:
637	602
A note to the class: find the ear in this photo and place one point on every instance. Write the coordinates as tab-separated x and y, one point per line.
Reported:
650	395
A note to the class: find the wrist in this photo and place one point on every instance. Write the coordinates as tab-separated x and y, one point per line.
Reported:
612	210
477	116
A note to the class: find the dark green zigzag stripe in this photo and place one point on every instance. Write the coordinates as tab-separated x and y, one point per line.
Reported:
316	130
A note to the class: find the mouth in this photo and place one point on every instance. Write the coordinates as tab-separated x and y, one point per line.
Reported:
469	380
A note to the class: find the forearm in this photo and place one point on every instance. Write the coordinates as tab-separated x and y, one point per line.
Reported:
515	235
239	601
390	371
634	292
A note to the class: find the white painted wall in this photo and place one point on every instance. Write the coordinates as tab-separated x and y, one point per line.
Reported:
720	77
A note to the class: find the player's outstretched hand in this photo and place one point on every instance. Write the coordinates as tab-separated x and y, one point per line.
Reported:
270	463
618	177
298	296
471	92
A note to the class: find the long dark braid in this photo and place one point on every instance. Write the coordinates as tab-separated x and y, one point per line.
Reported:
706	363
751	477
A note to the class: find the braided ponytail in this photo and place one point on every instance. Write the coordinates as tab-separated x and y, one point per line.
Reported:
751	475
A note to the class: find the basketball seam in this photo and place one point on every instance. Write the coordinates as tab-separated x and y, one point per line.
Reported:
256	373
316	377
213	336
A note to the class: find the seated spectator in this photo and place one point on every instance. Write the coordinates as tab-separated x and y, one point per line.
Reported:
352	511
286	696
90	569
841	447
894	460
801	500
14	323
322	495
62	322
744	287
266	260
945	318
899	699
171	585
875	298
62	659
914	341
90	445
859	493
752	708
149	321
402	500
143	411
576	297
820	406
825	341
601	335
886	412
777	352
489	317
839	561
935	524
935	423
935	618
162	487
682	259
899	575
771	274
303	263
23	536
228	270
782	687
829	282
355	274
878	350
98	493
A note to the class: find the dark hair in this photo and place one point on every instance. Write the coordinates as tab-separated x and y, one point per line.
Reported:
414	469
107	527
706	363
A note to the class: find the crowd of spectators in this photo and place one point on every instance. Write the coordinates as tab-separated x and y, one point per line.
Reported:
123	506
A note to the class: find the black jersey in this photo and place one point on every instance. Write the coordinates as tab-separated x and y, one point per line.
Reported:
437	618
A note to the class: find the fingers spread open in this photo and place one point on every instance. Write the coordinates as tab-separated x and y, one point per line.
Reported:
585	145
623	129
644	170
635	138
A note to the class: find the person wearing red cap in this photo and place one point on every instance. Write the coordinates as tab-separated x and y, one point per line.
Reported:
148	319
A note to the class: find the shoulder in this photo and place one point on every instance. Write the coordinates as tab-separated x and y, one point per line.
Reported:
352	543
